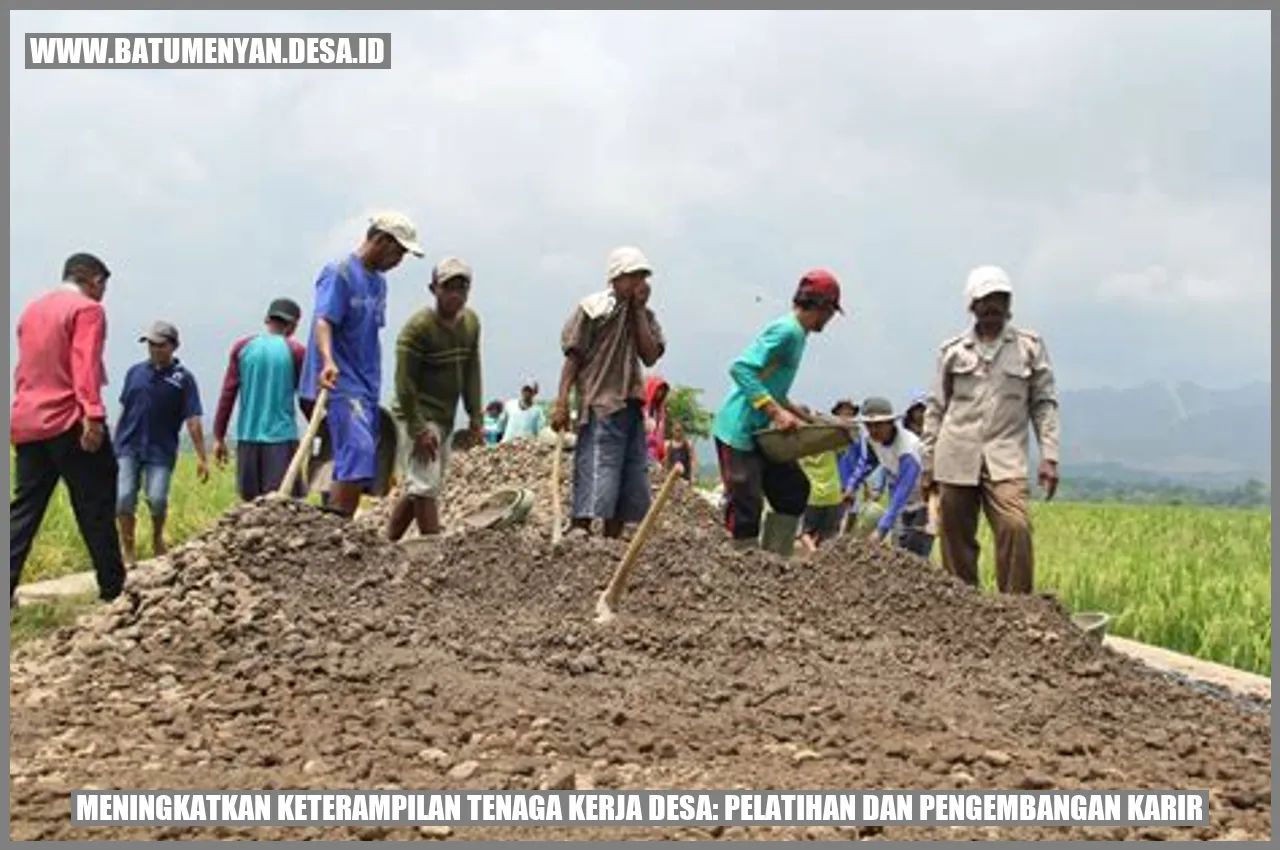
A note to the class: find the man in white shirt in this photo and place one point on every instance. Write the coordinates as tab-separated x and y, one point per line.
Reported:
525	420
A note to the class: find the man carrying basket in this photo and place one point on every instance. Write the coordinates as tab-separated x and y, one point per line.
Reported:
762	378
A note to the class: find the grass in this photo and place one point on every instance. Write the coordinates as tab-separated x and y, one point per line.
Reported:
1192	579
1196	580
193	507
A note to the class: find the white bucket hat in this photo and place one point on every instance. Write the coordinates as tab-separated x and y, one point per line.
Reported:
627	260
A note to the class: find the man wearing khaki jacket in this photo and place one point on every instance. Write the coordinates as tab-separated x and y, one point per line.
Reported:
992	382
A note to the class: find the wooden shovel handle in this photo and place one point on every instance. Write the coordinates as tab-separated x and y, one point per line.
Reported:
620	576
556	519
304	447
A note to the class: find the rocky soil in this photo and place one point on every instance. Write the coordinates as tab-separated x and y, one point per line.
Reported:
286	649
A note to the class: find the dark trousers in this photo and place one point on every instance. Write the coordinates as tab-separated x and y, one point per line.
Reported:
749	478
912	535
91	481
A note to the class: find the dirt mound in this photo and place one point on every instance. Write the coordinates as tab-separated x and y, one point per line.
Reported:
285	649
475	475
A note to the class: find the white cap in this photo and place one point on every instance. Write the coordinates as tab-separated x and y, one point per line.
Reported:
400	228
450	267
985	280
626	260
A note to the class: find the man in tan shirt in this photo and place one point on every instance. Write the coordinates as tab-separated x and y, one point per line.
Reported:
992	382
608	340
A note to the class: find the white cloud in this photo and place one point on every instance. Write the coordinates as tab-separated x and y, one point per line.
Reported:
1110	160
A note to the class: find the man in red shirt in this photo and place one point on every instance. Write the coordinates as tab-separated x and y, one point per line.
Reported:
58	422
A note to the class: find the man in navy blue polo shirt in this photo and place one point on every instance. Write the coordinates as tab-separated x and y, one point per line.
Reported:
159	395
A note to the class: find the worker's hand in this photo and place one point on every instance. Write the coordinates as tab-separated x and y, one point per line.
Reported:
202	470
220	453
1049	478
329	376
427	445
783	419
927	485
803	412
560	415
92	435
475	434
640	295
878	536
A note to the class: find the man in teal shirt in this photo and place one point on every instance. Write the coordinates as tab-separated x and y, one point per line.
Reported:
762	378
524	419
262	374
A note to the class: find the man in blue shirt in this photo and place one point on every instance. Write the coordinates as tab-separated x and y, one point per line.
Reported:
762	378
345	352
158	396
898	452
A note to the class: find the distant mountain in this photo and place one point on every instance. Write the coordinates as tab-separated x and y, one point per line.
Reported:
1179	432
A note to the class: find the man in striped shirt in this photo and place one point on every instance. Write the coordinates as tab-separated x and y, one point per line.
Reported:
58	422
437	363
263	375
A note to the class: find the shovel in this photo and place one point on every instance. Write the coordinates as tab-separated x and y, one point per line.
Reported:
304	447
609	598
935	515
556	520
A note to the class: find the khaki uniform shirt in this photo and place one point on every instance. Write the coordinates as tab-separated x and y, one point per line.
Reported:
982	400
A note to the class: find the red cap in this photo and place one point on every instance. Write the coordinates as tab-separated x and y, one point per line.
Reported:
822	285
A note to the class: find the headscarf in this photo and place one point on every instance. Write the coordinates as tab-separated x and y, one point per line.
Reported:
656	440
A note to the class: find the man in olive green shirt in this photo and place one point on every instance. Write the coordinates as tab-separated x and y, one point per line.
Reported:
437	363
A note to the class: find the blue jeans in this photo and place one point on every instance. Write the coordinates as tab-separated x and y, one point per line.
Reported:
132	474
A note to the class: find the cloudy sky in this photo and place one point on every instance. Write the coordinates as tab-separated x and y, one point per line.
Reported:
1117	164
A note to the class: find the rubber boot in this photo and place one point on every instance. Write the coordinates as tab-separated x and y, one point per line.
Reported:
744	544
779	534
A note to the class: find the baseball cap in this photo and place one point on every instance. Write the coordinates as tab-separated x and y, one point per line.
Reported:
984	281
285	309
160	331
627	260
450	267
820	285
400	228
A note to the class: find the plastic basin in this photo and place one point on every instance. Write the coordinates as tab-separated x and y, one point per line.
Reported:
1092	623
806	440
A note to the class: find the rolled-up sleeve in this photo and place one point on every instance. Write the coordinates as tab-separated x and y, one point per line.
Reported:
575	335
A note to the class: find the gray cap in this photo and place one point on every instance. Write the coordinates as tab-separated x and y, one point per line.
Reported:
876	409
160	332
